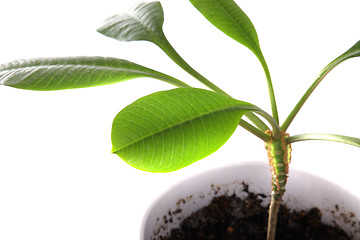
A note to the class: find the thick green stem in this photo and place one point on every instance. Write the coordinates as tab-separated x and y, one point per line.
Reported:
279	158
279	155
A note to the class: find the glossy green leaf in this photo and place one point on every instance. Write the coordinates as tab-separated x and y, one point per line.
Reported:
227	16
143	22
74	72
169	130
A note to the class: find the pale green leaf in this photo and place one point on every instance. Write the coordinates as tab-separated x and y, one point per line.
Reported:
143	22
169	130
74	72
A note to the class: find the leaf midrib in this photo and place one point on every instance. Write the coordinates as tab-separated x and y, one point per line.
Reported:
254	45
179	124
64	66
148	27
4	72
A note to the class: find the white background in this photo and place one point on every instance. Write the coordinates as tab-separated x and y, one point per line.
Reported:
58	179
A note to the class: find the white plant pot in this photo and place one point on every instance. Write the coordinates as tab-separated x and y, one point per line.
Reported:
303	192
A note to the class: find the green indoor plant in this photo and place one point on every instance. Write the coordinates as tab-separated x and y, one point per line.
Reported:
177	127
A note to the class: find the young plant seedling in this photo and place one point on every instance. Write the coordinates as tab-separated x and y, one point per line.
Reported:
168	130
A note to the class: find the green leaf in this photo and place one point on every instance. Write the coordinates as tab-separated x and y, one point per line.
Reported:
227	16
143	22
169	130
74	72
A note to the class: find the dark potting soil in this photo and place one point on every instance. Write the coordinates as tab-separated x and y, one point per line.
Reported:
230	218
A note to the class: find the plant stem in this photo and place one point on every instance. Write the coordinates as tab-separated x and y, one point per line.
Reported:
354	51
270	88
327	137
272	220
276	132
307	94
171	80
254	130
171	52
257	121
279	155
